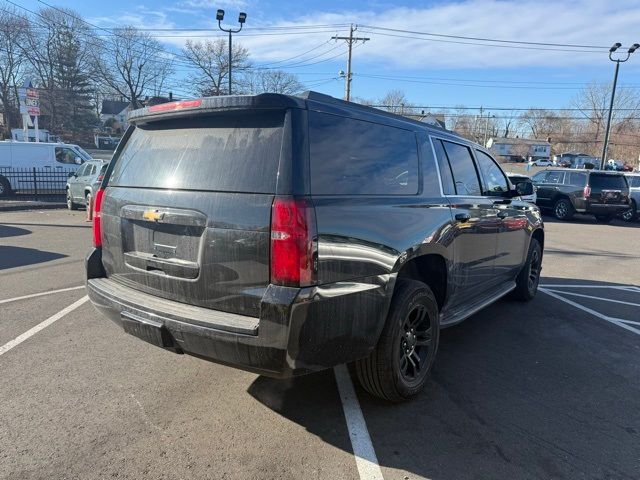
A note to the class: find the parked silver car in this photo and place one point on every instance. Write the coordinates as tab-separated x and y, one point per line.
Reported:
82	184
634	195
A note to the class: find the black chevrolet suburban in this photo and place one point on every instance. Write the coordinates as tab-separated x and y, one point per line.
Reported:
284	235
567	191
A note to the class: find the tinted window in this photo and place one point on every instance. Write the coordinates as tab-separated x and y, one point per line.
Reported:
554	177
576	179
494	180
539	177
224	153
448	188
463	168
361	158
608	182
634	182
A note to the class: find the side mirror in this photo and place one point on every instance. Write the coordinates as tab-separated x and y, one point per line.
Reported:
78	161
524	188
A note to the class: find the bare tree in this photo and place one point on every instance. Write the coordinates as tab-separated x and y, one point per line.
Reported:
273	81
133	64
210	58
395	101
13	29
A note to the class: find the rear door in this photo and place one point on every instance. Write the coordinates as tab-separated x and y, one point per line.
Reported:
476	226
186	213
548	187
608	189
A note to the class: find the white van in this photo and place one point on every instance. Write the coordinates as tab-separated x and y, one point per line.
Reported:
18	159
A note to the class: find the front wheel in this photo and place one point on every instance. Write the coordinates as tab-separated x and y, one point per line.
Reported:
5	187
399	366
70	204
563	210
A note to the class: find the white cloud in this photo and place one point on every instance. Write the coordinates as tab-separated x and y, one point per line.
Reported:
589	22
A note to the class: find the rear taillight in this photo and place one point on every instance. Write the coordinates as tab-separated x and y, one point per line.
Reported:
586	193
99	179
293	235
97	228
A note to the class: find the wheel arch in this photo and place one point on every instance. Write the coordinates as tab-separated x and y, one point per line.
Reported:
431	269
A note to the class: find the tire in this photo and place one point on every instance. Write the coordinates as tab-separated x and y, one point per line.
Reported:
529	277
5	187
631	214
563	209
399	366
70	204
604	218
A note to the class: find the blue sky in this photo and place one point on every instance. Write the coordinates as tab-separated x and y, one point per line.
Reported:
429	70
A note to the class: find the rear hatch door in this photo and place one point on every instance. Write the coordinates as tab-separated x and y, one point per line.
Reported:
186	213
608	188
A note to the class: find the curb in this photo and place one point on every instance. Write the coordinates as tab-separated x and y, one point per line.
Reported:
31	206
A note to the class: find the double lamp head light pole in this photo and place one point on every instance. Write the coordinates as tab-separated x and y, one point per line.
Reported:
618	61
241	19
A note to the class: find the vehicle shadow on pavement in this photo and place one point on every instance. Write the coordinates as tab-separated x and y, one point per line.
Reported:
7	231
590	220
519	390
11	257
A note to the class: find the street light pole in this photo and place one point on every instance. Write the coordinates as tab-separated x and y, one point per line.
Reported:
616	46
241	19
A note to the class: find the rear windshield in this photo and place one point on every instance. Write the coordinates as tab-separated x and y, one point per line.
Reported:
231	153
608	182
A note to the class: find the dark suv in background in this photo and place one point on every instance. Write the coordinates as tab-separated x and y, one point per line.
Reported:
566	192
285	235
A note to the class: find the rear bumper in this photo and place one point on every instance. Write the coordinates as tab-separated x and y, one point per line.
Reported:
602	208
298	331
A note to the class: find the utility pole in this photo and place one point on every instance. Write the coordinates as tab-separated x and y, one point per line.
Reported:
350	41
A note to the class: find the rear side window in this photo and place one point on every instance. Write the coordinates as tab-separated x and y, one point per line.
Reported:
608	182
463	169
237	152
575	179
448	187
354	157
633	181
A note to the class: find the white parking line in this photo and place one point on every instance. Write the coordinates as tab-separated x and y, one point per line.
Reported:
594	298
366	460
31	332
616	321
614	287
23	297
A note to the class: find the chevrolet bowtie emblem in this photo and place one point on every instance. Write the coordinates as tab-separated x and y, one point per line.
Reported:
153	215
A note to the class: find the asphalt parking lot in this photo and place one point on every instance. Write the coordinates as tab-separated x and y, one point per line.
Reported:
544	390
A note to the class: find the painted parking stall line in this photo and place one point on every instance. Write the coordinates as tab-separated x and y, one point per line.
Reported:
34	295
622	323
366	459
41	326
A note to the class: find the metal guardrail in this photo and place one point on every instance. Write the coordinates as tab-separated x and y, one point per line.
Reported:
40	184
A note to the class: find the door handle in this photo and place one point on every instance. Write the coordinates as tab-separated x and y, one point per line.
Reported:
502	214
462	217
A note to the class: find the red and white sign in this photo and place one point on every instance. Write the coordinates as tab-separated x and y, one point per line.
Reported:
34	111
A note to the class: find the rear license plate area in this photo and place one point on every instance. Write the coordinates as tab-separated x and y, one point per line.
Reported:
148	330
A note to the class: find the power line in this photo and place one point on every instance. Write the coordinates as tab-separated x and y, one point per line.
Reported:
483	39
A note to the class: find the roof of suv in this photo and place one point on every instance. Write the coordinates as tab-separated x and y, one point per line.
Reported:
307	100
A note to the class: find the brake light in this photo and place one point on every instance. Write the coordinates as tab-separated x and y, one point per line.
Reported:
180	105
293	234
97	228
586	193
